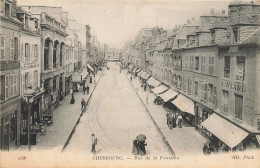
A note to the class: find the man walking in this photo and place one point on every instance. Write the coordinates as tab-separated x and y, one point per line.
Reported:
87	88
83	104
94	143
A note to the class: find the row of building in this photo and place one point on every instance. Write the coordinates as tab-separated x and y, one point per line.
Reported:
41	51
214	63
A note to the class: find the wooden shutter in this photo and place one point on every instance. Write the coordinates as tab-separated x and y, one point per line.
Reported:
215	94
19	49
22	52
6	86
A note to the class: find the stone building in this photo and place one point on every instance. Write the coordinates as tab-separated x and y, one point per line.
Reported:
10	103
30	71
53	29
213	65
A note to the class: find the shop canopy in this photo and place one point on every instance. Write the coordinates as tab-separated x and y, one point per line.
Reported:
153	82
258	139
161	88
184	104
169	94
143	75
227	132
139	74
78	77
135	69
147	76
90	67
138	70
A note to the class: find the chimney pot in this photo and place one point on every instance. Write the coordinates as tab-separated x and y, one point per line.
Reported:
223	12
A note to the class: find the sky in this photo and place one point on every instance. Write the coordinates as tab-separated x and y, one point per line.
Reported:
114	22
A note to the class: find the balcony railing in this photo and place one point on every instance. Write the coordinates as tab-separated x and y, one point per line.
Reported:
225	108
47	20
226	73
240	77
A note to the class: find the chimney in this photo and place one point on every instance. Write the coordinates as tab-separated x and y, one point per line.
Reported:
176	26
192	18
188	21
223	12
212	11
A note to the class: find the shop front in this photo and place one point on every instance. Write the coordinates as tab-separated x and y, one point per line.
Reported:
10	124
152	82
185	107
67	84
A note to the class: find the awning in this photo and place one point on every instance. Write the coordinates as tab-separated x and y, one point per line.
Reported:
138	70
153	82
147	76
258	139
227	132
135	69
143	74
139	74
169	94
160	89
90	67
78	77
184	104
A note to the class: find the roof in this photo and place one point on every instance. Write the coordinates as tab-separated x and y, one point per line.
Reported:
254	38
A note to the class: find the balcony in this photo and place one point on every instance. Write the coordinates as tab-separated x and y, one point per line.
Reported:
51	22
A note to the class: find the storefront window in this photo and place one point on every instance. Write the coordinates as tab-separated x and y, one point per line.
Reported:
13	127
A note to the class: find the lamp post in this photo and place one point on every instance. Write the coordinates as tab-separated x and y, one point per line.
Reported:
29	93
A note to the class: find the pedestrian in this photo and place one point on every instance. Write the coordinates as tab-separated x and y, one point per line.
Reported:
94	143
84	89
87	88
72	100
83	104
135	149
179	121
142	150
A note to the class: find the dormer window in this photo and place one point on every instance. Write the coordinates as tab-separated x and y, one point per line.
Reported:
235	35
7	9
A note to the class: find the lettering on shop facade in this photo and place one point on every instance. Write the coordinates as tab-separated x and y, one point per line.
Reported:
5	65
234	86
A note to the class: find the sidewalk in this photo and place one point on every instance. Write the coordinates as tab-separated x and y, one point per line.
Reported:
183	141
64	119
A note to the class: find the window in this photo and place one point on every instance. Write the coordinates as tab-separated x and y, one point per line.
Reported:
2	47
12	49
26	80
186	61
204	88
27	51
197	62
179	82
11	85
2	87
212	94
196	88
54	83
238	106
203	66
189	85
7	9
36	51
235	35
213	34
35	75
227	67
191	62
184	84
225	101
240	71
16	84
211	65
6	86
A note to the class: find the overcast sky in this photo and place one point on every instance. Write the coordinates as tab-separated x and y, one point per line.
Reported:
115	22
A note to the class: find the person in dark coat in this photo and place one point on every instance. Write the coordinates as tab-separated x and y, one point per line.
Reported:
83	104
135	149
142	150
84	89
72	100
87	88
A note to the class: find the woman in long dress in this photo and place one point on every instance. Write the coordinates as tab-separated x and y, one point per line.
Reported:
135	149
142	150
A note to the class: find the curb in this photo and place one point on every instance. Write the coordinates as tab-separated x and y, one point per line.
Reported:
154	122
82	111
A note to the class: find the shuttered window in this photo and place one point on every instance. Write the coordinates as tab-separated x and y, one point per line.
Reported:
2	47
238	106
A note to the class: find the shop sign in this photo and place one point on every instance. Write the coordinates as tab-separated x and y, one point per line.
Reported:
8	65
234	86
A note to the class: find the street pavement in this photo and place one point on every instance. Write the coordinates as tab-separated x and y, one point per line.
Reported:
65	117
184	141
116	116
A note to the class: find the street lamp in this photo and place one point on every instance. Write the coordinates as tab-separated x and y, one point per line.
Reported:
29	93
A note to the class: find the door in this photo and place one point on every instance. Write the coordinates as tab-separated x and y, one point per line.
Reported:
238	106
6	137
